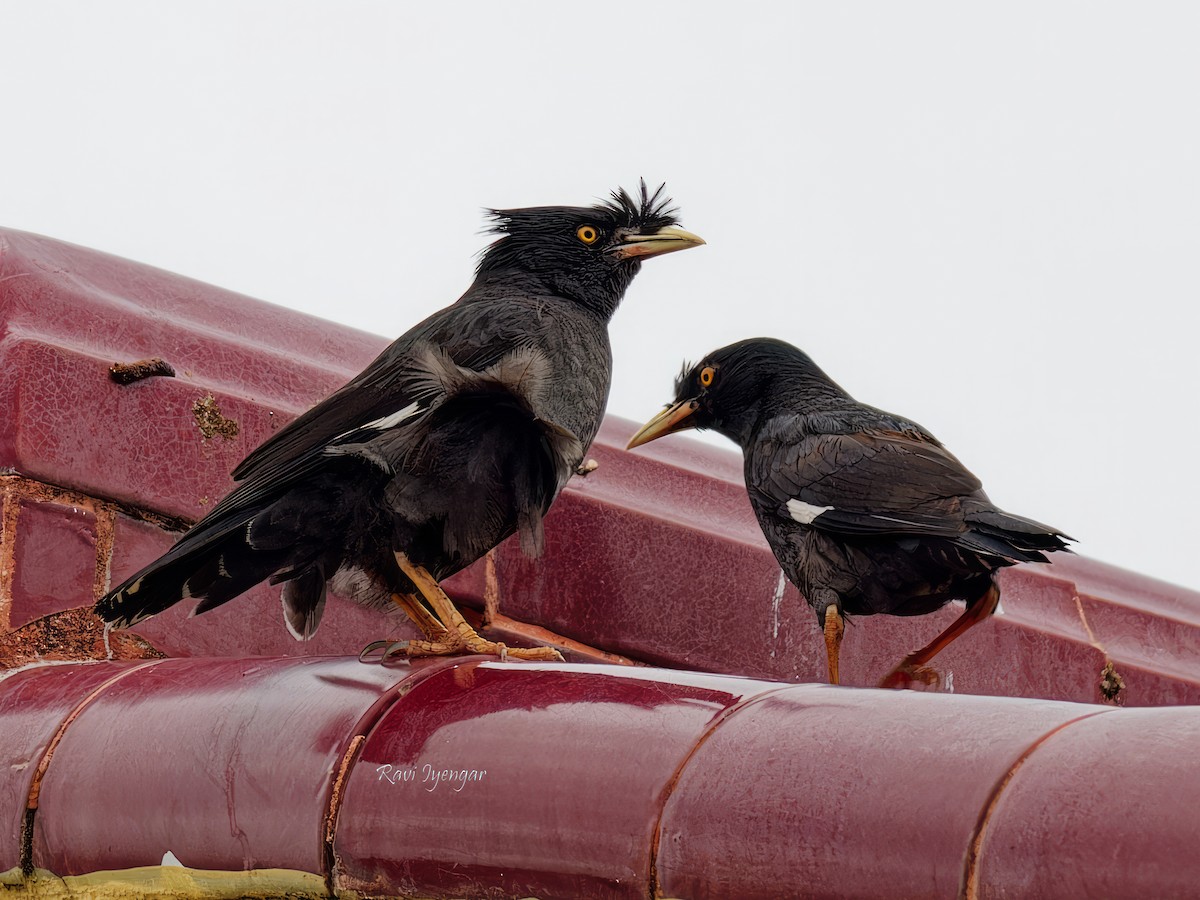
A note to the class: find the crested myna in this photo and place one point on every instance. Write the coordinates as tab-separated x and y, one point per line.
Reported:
459	434
865	511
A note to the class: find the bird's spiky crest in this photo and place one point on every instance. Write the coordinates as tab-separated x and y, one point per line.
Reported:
683	379
648	211
654	210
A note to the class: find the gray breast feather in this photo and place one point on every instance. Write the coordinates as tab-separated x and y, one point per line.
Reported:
525	373
392	442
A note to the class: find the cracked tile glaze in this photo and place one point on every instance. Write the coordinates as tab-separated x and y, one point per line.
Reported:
654	556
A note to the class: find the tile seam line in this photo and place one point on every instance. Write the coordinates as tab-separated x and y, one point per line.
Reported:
735	480
63	494
1126	657
51	339
35	785
969	885
667	513
669	788
351	753
1055	629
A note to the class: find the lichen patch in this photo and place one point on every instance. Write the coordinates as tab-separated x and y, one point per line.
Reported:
210	421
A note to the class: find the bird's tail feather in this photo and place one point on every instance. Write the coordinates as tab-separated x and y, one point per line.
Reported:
998	533
231	571
304	600
213	572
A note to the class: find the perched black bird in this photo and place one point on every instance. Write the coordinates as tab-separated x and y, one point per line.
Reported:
866	511
459	434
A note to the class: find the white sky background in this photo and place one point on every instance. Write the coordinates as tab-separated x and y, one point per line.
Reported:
984	219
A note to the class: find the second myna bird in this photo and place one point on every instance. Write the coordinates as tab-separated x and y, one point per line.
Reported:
865	511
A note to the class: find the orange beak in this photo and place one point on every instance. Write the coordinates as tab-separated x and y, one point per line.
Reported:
670	420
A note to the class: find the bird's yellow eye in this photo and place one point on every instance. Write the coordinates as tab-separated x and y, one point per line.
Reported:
589	234
707	374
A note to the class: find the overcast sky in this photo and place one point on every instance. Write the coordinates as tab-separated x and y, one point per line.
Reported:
986	219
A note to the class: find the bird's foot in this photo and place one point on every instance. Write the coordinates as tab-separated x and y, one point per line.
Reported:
457	636
479	645
908	674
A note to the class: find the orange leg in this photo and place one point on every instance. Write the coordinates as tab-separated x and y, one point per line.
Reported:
421	617
913	667
459	636
834	629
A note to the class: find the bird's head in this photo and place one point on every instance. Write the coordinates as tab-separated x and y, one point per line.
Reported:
731	389
587	253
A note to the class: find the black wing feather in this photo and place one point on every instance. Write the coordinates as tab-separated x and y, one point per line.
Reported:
876	483
392	381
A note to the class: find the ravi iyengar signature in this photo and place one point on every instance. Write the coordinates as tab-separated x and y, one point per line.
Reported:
429	776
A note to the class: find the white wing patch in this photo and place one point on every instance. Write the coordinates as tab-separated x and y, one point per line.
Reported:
804	513
381	424
395	418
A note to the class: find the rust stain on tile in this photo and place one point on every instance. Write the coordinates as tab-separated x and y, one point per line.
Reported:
339	785
8	544
106	524
334	809
72	635
21	487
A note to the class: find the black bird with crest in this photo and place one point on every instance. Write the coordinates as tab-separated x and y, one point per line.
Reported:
865	511
459	434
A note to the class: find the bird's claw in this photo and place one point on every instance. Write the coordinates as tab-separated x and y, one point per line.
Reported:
398	648
391	649
364	655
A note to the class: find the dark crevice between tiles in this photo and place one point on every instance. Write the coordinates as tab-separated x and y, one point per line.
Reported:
27	843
